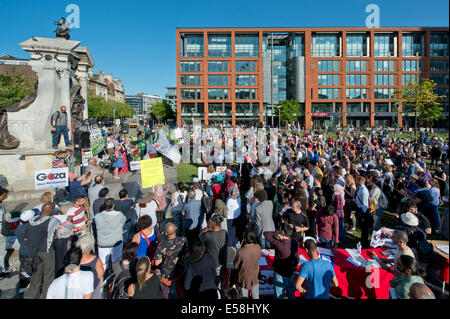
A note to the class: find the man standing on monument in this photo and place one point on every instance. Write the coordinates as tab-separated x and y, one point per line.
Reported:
60	124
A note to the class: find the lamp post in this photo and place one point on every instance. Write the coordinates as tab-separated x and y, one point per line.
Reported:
192	112
398	112
114	123
279	116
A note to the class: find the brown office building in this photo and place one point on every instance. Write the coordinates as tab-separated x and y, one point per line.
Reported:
340	76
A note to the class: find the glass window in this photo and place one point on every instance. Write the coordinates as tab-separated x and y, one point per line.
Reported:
384	79
439	44
193	46
328	79
356	94
356	79
245	66
329	94
189	108
243	109
296	46
410	77
439	66
190	80
412	44
325	45
279	70
246	46
245	79
217	66
384	65
440	79
322	107
219	45
353	107
384	45
190	94
411	66
217	94
356	65
190	66
384	93
245	94
328	66
217	80
442	92
356	45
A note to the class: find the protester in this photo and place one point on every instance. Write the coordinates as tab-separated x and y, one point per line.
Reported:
317	273
127	207
234	211
160	196
420	291
148	284
263	220
125	272
193	214
89	261
60	125
25	269
98	205
147	237
147	207
410	273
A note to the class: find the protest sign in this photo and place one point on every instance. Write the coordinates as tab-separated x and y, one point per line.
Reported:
152	172
221	169
163	146
85	157
379	239
51	178
135	165
203	174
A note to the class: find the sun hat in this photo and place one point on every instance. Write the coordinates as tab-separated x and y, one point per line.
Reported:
414	176
146	198
26	215
410	219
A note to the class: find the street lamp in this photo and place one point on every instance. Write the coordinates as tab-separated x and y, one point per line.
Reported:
279	116
114	123
398	112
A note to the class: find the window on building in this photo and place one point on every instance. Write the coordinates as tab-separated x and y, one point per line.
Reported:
245	66
328	79
439	43
353	107
384	65
245	79
410	78
219	108
243	109
190	94
381	107
217	80
383	93
356	44
192	46
440	79
245	94
219	45
411	66
356	66
412	44
296	46
356	94
325	45
322	107
217	66
383	79
328	66
384	44
279	70
356	79
439	66
246	46
328	94
190	80
217	94
190	66
442	92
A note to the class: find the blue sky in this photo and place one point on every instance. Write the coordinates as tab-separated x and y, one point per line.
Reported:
135	39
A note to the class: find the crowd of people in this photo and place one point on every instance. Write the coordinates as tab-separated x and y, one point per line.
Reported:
206	240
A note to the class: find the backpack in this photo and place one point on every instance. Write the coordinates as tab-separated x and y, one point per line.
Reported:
424	248
383	201
118	287
207	205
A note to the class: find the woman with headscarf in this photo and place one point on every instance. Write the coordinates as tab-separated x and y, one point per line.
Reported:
234	211
160	196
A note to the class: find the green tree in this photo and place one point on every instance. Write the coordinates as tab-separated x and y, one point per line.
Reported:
423	99
99	108
287	109
162	111
14	87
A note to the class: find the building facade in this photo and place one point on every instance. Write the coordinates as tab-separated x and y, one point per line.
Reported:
136	103
340	76
106	86
142	103
171	98
10	64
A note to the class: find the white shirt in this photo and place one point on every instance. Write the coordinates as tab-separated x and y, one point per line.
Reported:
234	208
149	210
72	286
198	194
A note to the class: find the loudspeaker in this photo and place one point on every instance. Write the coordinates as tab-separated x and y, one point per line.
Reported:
83	139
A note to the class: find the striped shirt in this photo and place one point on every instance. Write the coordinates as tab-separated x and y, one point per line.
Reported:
57	162
78	214
339	204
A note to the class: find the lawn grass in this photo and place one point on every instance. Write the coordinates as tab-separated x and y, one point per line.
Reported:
186	172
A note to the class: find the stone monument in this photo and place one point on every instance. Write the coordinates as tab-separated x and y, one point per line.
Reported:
63	68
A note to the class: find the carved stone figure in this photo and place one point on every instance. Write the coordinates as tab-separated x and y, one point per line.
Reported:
7	141
63	29
77	105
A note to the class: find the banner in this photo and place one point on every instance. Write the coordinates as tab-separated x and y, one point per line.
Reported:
163	146
51	178
152	172
381	240
96	138
135	165
85	157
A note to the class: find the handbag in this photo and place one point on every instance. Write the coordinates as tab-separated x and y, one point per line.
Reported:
7	227
372	207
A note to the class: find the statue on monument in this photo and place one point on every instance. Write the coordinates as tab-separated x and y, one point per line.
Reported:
63	29
77	106
7	141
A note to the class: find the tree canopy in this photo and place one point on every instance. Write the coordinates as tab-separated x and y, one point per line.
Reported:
99	108
162	111
288	108
14	87
423	99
